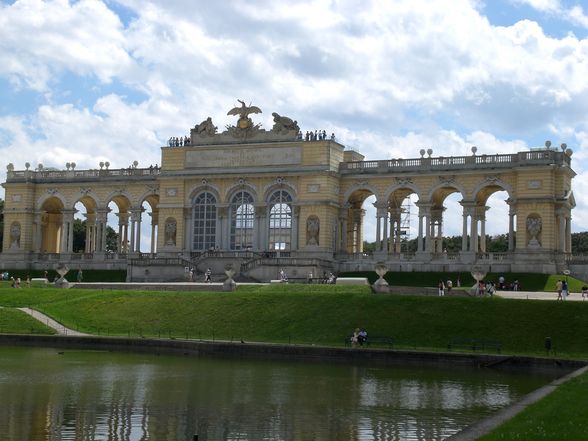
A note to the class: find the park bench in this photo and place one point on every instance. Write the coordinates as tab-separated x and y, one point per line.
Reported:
375	340
474	344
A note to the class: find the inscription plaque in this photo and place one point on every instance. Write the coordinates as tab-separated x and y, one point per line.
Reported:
250	157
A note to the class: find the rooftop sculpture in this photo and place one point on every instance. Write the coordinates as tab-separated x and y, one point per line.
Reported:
245	130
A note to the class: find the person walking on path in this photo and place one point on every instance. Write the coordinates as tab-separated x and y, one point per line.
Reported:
208	276
564	290
441	287
558	286
80	276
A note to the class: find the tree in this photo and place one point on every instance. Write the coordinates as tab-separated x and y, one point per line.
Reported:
580	242
79	236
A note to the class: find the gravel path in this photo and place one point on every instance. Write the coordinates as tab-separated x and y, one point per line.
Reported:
61	330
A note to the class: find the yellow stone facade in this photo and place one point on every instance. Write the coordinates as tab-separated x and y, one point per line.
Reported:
319	218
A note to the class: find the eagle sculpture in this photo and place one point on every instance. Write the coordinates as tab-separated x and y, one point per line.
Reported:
244	110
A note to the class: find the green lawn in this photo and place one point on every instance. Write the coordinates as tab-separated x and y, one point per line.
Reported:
13	321
562	415
316	314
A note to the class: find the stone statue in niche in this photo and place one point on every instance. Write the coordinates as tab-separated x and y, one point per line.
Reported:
170	231
534	225
313	227
15	236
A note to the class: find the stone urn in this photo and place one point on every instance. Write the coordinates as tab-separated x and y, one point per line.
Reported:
381	285
62	270
229	284
478	273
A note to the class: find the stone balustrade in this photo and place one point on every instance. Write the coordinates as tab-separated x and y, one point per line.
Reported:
79	175
538	157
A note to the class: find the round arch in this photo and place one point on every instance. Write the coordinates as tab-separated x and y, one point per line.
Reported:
51	223
243	186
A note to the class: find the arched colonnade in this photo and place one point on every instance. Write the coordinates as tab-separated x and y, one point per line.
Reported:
53	221
431	216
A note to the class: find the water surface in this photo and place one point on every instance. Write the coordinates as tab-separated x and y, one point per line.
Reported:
89	395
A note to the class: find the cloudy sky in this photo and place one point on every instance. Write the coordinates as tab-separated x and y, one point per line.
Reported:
91	81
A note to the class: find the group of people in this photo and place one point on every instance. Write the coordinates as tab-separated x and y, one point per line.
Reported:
507	286
15	282
485	288
174	141
317	135
447	286
359	337
327	279
561	286
207	275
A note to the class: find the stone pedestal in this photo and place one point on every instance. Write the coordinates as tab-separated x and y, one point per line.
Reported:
380	285
62	282
229	284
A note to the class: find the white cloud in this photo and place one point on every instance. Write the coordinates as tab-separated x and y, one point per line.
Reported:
41	39
574	14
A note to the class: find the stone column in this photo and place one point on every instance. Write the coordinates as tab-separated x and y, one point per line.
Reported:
420	236
188	229
101	224
67	231
90	232
356	219
223	228
360	227
37	232
261	228
511	231
295	225
154	222
378	237
138	218
123	230
424	243
483	228
464	230
561	237
568	248
395	221
474	237
437	229
385	239
343	213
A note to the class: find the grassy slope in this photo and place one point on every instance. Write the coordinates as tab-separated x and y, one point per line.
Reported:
528	281
562	415
13	321
321	314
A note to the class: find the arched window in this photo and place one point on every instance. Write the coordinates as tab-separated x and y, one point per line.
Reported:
280	221
242	221
204	215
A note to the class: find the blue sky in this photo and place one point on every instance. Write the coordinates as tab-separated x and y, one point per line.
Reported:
91	81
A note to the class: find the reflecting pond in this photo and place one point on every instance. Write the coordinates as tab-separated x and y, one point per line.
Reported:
56	394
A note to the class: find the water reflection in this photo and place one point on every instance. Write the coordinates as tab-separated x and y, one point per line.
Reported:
87	395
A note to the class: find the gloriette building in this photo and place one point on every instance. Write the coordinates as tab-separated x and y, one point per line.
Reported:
261	200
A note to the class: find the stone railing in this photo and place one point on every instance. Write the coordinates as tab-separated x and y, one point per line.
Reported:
541	157
78	175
